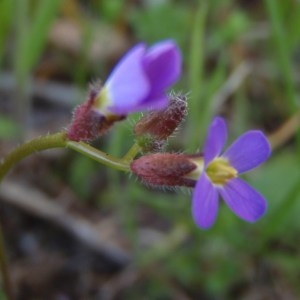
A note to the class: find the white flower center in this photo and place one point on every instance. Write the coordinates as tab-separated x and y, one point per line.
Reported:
195	174
103	101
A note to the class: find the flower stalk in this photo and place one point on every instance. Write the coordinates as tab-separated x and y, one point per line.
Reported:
132	153
99	156
57	140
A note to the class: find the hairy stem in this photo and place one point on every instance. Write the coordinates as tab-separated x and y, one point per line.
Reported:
57	140
99	156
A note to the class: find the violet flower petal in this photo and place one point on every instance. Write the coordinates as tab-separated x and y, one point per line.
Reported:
248	151
215	140
128	84
156	103
205	203
243	200
162	64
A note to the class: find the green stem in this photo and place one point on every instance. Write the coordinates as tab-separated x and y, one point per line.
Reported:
4	269
57	140
99	156
132	152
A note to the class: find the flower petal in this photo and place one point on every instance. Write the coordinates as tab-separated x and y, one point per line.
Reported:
156	103
215	140
162	64
248	151
205	203
243	200
128	84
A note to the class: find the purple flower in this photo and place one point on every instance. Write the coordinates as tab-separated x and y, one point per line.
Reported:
219	175
140	80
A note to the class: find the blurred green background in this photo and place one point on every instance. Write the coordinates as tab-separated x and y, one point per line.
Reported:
241	61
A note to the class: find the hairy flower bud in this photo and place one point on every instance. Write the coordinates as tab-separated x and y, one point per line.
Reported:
164	169
87	123
161	124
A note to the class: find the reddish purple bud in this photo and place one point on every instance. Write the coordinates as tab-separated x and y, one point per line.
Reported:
161	124
164	169
87	123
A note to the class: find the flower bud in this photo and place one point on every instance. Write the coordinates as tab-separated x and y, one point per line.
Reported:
87	123
164	169
161	124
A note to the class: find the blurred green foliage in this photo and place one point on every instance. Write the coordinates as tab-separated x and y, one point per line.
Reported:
80	174
8	128
33	22
165	21
6	10
234	258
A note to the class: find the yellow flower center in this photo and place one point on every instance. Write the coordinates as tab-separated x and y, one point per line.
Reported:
220	171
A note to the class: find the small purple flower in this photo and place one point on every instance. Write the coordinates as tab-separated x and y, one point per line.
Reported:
140	80
219	175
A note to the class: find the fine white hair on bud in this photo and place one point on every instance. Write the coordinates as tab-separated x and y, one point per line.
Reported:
161	124
164	169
